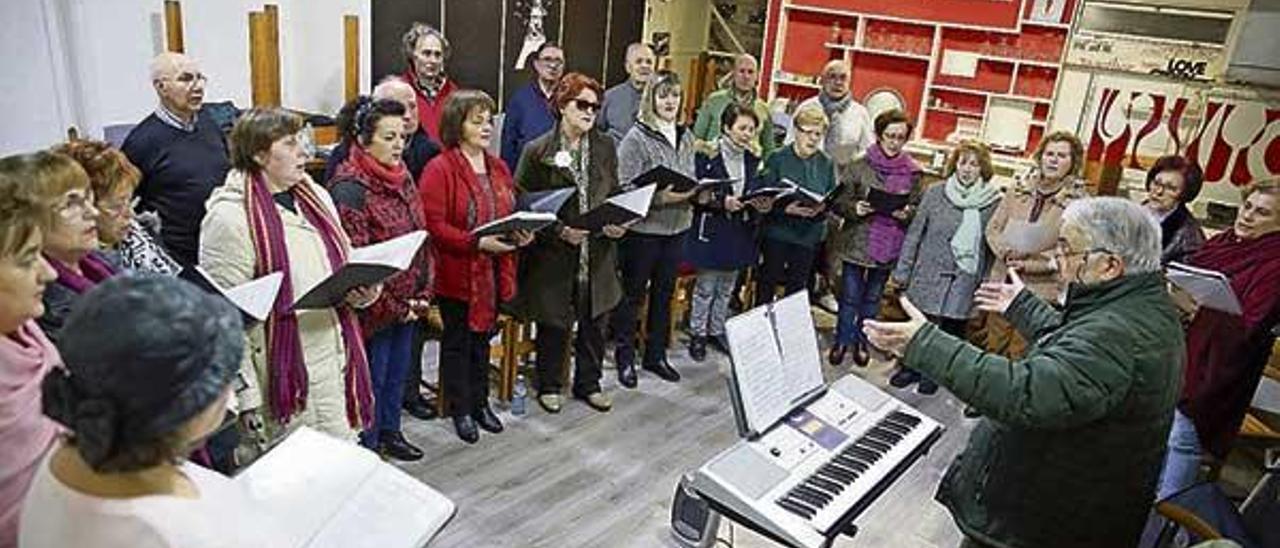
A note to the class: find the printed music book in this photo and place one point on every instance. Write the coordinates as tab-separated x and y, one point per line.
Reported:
1209	288
322	491
886	202
254	298
617	210
794	193
775	363
365	266
532	221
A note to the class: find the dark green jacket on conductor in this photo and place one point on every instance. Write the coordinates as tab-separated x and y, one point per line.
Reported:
1073	435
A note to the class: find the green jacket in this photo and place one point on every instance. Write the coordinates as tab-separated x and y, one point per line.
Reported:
1074	434
816	173
707	125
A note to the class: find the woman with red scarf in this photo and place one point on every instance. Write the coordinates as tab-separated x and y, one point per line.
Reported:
1227	353
268	216
377	201
462	188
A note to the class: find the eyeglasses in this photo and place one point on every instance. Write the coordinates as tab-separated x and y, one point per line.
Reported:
117	207
894	136
1171	188
552	61
1061	251
188	78
586	106
76	204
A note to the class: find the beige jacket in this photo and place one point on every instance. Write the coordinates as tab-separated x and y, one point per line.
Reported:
1011	234
226	253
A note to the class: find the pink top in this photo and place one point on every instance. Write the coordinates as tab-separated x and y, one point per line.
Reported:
25	433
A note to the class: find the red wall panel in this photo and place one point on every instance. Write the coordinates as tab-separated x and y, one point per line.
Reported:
872	71
988	13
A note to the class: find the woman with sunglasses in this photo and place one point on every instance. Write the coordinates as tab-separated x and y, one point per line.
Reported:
113	179
569	276
651	251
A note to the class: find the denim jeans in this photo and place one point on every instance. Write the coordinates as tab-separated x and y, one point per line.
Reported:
1181	458
711	295
859	300
389	350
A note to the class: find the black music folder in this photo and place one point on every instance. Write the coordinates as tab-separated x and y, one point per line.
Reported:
365	266
794	193
532	221
664	178
617	210
886	202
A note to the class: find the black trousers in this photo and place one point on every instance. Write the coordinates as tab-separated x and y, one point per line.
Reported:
649	265
464	360
552	347
785	264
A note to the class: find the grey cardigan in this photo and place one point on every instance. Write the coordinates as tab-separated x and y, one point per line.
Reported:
927	267
645	148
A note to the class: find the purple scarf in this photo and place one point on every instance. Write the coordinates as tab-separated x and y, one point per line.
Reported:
287	378
897	176
94	268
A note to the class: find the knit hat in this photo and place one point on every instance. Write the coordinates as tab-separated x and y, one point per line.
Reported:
144	354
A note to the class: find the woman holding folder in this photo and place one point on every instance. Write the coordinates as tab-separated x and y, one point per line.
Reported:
377	201
304	365
567	274
462	188
722	240
1227	353
884	188
651	252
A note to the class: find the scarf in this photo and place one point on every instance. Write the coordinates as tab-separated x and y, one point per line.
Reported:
967	240
483	269
1171	224
287	372
93	268
733	157
833	106
897	176
393	177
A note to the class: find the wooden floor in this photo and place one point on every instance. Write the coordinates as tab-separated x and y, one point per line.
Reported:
589	479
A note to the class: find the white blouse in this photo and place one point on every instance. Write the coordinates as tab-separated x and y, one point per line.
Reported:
55	516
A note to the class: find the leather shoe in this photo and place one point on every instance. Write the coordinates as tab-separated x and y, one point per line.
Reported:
626	362
698	348
861	357
485	417
663	370
904	378
420	409
926	386
465	426
597	400
836	355
393	445
550	402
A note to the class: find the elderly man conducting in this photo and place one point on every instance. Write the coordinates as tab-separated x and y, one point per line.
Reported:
1070	447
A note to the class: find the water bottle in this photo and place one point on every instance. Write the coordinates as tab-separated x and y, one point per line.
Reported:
519	397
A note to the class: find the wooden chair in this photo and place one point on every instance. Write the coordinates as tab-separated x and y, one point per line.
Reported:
505	355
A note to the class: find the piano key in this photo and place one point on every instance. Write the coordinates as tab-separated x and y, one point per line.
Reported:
887	437
904	418
845	475
810	494
797	508
878	446
854	465
902	430
862	454
825	484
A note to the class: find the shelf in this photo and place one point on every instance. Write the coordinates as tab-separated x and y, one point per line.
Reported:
957	112
889	52
1015	60
1045	24
890	18
796	83
957	89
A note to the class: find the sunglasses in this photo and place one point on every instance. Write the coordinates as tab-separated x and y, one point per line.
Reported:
586	106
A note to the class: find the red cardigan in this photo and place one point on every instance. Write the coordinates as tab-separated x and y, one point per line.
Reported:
464	273
429	110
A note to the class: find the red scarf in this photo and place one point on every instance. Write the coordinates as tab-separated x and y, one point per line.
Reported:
287	382
393	177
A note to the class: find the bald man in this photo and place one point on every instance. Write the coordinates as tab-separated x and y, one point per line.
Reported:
418	146
622	102
741	90
181	154
850	132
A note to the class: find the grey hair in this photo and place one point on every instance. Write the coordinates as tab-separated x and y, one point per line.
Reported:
635	48
417	32
390	86
1118	226
165	63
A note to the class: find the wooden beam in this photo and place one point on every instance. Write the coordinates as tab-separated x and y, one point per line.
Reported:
351	56
264	57
173	26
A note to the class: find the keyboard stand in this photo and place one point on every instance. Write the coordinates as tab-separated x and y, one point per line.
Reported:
845	524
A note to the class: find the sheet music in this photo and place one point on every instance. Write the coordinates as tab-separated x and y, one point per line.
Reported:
254	297
775	359
397	252
636	201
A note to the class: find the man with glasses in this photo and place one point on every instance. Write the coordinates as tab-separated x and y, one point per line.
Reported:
1073	434
181	154
850	132
529	113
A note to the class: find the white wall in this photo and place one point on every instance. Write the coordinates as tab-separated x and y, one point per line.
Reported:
93	55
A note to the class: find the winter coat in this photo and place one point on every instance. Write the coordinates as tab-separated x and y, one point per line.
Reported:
1013	215
226	253
816	173
720	240
548	267
1073	435
927	268
850	241
706	127
1180	236
645	148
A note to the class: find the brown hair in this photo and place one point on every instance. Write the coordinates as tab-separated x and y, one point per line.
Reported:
1062	136
979	149
890	117
570	85
254	133
1192	175
1265	186
24	210
108	169
457	108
